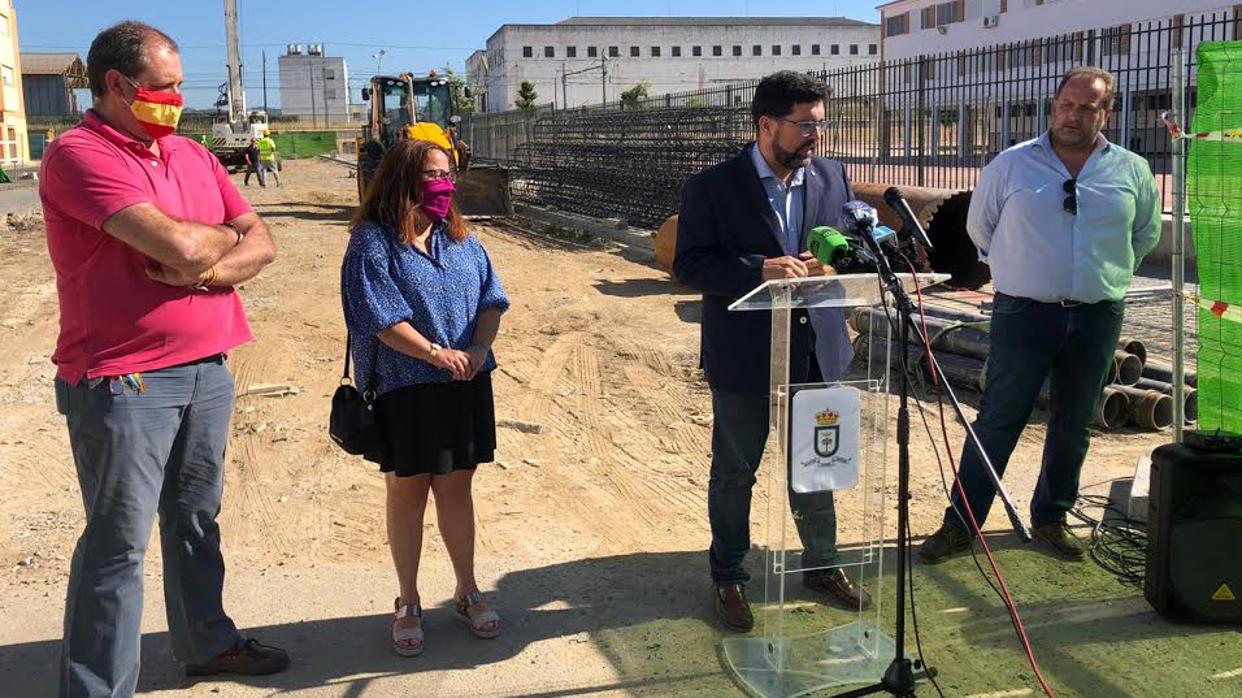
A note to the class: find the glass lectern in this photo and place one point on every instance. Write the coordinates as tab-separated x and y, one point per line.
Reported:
824	436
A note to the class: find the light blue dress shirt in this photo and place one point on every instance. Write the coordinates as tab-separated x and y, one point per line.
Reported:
1037	249
832	349
786	200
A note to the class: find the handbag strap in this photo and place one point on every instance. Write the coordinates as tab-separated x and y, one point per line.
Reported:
348	342
372	379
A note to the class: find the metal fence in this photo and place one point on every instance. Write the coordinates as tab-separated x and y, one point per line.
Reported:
932	120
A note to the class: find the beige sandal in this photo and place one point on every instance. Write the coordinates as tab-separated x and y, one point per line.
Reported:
408	641
477	624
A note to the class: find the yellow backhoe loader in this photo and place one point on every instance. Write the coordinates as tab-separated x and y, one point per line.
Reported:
420	107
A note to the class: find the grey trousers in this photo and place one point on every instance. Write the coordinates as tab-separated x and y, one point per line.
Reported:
137	454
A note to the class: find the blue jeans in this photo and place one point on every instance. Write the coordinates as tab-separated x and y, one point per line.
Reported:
739	432
139	454
1032	342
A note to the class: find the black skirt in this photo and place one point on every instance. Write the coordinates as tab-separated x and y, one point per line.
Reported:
437	428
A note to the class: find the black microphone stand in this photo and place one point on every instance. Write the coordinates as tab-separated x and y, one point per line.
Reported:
899	678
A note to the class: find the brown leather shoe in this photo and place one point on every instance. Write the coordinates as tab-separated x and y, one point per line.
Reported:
946	542
249	657
840	589
1063	542
732	607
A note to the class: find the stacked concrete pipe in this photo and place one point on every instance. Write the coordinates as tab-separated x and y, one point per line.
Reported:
1133	392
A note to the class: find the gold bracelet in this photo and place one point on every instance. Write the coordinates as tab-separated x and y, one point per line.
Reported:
212	274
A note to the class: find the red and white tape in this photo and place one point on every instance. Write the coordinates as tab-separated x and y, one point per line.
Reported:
1221	309
1229	134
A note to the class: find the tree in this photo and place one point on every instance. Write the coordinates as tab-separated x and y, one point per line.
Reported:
526	96
457	91
635	96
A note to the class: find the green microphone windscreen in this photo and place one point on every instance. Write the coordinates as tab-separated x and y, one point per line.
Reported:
827	244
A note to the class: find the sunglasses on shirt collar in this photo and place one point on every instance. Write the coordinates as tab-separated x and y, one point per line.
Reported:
1070	204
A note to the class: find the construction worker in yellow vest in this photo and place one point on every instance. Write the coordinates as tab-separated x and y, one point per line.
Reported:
267	156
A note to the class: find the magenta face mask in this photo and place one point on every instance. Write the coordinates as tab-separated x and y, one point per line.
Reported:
437	195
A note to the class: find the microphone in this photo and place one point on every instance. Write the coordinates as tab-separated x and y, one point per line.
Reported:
897	202
832	247
858	216
828	245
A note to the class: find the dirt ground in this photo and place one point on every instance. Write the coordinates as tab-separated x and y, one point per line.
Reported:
590	532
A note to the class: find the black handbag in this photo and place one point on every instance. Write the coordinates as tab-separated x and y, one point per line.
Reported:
352	424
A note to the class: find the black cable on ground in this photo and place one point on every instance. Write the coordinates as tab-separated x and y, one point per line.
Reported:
914	616
1118	543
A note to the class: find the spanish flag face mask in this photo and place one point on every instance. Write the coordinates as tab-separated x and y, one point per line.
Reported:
158	111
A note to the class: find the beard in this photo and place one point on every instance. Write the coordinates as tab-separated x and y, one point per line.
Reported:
793	159
1073	137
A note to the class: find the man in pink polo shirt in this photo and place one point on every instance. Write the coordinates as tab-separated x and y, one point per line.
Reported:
148	238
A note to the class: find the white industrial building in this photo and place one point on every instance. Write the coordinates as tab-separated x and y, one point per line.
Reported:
586	60
476	78
313	86
922	27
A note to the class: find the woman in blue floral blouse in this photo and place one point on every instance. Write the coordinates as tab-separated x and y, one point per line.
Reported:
423	305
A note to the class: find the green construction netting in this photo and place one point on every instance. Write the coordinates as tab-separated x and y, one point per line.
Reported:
1214	198
305	144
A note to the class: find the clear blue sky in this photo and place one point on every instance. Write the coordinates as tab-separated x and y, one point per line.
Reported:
416	35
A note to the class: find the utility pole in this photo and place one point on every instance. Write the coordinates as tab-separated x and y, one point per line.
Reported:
237	94
603	78
564	86
602	67
264	81
310	73
324	91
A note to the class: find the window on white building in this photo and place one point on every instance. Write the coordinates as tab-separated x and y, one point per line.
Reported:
1115	41
737	50
696	51
634	52
8	76
897	25
796	49
814	49
872	49
756	50
676	52
329	94
549	52
836	50
614	52
717	51
950	12
528	52
592	52
571	51
655	51
853	49
776	49
1018	57
1056	50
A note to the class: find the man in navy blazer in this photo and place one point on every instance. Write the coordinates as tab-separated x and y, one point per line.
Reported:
743	222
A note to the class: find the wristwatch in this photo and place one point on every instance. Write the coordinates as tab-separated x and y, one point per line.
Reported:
435	349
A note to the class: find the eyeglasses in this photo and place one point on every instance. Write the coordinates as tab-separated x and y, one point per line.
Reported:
1088	111
807	127
440	174
1071	202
